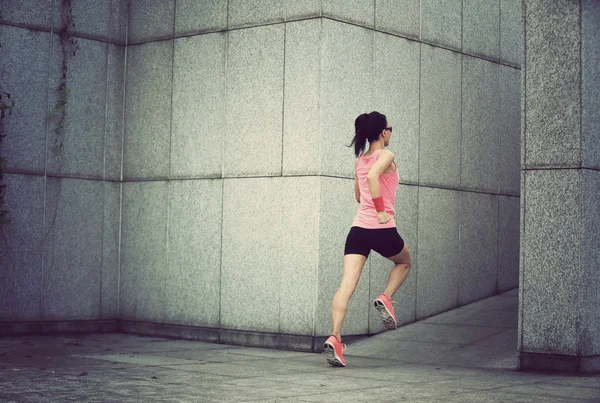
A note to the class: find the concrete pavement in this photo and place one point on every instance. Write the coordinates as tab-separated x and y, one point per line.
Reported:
465	355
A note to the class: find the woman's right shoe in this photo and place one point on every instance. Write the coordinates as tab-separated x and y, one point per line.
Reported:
333	350
383	304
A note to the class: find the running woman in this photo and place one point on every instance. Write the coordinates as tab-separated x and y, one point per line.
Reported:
376	182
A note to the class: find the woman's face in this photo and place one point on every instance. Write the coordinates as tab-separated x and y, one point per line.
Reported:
387	134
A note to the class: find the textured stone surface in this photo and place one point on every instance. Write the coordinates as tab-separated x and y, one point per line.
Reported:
113	140
481	28
300	252
406	224
589	296
73	249
119	15
20	248
438	243
192	285
509	131
150	20
511	32
251	257
478	263
347	91
550	264
301	104
253	135
508	242
143	251
193	16
398	17
439	138
441	22
148	110
92	18
553	96
36	13
295	9
396	94
244	13
590	99
479	156
24	64
198	106
337	209
356	11
111	242
82	151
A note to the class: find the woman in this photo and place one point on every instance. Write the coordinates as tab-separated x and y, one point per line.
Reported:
376	182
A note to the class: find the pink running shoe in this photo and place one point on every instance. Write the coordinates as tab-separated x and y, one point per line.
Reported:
333	350
383	304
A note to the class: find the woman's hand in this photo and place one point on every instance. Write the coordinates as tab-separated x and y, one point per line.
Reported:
383	217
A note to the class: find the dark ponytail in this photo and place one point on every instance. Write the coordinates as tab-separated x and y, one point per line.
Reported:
367	127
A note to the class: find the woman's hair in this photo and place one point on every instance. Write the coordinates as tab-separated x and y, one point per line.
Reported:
367	127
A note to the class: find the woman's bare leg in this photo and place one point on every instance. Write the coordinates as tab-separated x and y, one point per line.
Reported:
353	265
399	272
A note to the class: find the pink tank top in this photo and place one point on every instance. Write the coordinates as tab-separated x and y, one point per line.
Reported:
366	216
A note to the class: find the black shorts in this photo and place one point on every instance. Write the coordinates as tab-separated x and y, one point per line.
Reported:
386	241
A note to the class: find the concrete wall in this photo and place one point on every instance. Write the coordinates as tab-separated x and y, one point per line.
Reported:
59	255
559	320
237	189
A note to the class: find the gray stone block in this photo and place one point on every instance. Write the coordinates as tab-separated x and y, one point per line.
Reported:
198	106
441	22
508	242
396	94
511	32
143	251
552	102
299	253
406	224
192	288
398	17
478	260
509	131
24	64
590	99
296	9
550	265
301	120
246	13
82	138
113	141
338	208
148	111
481	28
73	249
440	121
34	13
111	242
253	135
150	20
356	11
438	243
194	17
91	19
119	15
347	91
20	249
480	105
251	257
589	336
